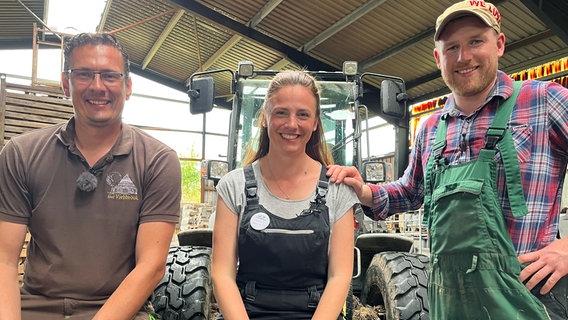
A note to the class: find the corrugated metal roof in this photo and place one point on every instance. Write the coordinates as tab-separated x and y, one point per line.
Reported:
170	40
17	19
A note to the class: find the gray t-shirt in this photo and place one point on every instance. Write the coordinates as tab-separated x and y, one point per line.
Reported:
231	188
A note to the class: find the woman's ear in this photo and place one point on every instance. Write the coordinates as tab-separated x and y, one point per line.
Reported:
263	120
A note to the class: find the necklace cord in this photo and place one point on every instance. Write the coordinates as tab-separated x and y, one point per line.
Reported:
287	197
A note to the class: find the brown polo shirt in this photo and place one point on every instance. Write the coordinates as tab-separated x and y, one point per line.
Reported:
83	243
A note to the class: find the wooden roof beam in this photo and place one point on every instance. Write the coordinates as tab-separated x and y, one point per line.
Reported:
163	36
256	19
341	23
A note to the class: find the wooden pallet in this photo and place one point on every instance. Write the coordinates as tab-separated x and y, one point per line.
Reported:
24	108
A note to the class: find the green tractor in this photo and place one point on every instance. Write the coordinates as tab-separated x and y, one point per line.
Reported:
388	275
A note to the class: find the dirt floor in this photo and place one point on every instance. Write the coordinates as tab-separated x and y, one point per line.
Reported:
362	312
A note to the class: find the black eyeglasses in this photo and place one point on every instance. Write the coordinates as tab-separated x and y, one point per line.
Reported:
87	76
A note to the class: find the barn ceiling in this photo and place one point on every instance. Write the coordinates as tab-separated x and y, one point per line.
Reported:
169	40
16	22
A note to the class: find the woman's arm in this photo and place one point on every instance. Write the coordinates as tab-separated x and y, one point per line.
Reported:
224	263
340	268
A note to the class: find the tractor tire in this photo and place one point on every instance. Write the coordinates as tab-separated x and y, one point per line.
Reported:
349	304
185	291
399	282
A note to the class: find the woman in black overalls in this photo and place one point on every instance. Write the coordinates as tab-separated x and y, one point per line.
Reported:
273	217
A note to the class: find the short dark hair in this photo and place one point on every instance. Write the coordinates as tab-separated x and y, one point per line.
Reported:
83	39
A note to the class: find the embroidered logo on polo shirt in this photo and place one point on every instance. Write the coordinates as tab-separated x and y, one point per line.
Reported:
121	187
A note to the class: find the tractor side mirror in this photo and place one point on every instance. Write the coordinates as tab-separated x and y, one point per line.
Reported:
214	169
201	94
373	171
393	99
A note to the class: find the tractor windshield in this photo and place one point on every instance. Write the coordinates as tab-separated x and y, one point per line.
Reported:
337	115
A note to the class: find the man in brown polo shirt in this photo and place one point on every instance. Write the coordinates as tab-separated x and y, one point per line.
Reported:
99	197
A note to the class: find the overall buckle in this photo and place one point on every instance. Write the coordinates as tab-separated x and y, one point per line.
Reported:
493	136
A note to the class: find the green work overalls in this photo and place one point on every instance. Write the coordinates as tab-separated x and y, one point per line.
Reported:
474	268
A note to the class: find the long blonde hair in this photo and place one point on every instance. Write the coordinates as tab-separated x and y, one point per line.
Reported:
316	148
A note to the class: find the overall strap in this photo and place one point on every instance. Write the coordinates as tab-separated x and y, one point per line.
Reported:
499	134
321	191
436	157
251	186
322	185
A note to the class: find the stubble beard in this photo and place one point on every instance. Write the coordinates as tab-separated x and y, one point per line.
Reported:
471	86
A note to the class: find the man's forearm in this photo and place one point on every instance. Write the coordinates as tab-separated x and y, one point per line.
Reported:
131	295
10	304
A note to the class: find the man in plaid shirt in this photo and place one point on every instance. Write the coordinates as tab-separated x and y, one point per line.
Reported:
468	44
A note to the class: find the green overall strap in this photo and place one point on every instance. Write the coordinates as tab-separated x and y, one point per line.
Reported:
499	134
436	155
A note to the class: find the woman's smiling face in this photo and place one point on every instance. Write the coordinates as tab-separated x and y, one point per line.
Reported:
291	118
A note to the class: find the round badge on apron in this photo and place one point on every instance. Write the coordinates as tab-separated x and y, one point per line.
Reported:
259	221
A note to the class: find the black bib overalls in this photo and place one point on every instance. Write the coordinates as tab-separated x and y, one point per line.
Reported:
282	262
